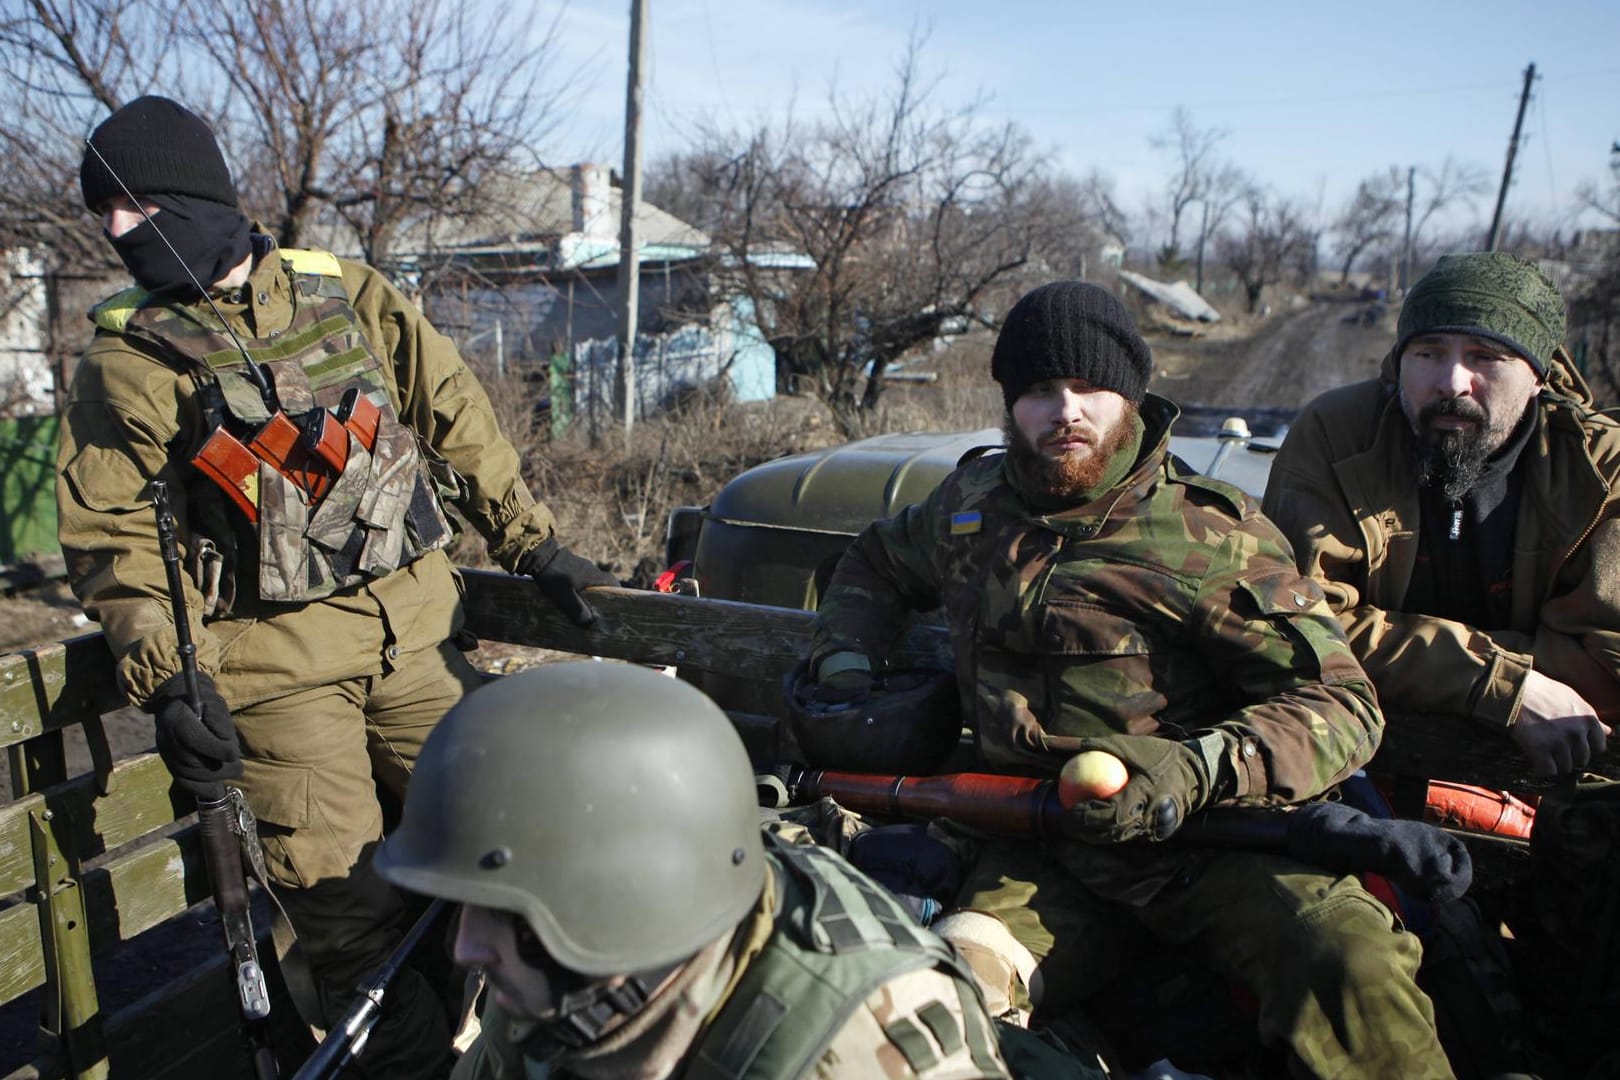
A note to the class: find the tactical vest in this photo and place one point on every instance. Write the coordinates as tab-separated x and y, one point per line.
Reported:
838	937
381	512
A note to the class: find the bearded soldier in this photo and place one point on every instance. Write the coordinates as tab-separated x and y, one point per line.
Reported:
1460	512
316	425
1102	596
598	824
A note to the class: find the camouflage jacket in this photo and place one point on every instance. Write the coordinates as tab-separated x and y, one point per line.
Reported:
828	979
1166	606
1342	490
133	416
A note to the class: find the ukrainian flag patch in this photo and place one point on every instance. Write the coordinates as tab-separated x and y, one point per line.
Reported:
965	523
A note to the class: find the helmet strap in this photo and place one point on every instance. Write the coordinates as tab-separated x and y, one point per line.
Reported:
585	1015
587	1008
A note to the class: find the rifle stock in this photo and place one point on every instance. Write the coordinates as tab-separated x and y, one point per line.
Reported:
224	821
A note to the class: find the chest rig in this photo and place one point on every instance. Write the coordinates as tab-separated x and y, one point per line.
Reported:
320	478
839	937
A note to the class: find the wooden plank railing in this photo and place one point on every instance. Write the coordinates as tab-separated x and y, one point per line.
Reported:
94	860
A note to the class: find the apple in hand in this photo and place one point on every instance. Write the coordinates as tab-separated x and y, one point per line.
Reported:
1090	774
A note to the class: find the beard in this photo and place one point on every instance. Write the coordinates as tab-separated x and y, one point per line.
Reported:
1071	475
1452	461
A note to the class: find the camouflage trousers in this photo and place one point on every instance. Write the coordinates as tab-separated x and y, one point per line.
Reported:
1333	975
320	768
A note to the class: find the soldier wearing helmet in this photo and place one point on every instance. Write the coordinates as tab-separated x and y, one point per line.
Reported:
598	824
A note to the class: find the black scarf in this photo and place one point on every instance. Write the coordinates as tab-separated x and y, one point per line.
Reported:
211	237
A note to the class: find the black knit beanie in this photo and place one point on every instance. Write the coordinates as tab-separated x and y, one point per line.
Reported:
1071	330
157	147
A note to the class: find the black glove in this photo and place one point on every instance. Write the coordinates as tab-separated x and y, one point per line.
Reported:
1167	784
561	575
201	751
1414	855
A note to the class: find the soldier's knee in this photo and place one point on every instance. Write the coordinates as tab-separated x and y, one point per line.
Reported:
1354	942
1004	968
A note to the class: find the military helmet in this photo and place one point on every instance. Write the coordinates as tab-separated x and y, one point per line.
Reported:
611	807
909	722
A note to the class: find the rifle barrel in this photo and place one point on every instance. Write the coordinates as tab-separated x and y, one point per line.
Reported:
346	1039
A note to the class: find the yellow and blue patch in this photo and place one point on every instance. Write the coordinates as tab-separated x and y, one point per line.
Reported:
966	523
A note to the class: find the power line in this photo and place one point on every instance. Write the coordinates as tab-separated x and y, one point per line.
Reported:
1546	141
1236	103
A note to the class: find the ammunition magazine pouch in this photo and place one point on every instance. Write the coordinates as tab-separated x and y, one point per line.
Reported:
332	488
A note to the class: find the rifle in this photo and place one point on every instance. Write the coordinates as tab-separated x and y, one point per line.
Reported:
1015	806
225	823
347	1039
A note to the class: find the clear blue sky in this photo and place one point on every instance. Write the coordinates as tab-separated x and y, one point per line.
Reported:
1313	95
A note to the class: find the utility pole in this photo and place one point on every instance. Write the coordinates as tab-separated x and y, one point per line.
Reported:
1507	169
630	199
1406	244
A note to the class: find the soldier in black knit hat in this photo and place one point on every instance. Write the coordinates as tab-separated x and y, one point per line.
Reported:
157	155
1073	372
325	609
1103	597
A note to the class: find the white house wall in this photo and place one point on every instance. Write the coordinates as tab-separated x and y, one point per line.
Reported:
25	372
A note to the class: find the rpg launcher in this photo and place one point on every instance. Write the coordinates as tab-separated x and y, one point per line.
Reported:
1427	861
1013	806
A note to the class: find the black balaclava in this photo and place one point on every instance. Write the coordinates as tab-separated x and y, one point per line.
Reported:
166	155
211	238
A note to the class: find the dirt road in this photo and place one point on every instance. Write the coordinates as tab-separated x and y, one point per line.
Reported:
1293	358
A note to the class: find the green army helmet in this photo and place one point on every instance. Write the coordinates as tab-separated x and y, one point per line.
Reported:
609	806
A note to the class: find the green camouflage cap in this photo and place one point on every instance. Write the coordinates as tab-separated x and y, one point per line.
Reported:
1490	294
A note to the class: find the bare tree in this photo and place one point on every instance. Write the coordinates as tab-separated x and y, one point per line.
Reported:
1450	184
1097	200
1083	219
1594	302
370	113
858	238
390	116
63	64
1196	169
1264	244
1226	188
1372	216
